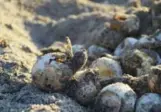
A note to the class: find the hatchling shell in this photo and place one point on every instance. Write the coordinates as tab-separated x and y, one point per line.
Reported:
48	74
107	67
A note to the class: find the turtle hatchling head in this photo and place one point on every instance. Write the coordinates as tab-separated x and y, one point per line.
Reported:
63	47
79	60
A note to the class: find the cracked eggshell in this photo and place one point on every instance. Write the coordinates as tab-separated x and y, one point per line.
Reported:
49	74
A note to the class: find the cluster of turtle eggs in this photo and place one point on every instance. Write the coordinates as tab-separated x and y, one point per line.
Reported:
54	71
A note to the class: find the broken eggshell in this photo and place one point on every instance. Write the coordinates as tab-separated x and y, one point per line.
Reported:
48	74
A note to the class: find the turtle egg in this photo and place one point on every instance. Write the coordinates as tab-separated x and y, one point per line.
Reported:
49	74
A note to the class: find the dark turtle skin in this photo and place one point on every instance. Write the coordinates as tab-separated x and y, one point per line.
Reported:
78	61
75	61
84	86
59	67
65	48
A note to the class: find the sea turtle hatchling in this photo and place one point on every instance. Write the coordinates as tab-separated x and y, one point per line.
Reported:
64	47
84	86
52	71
